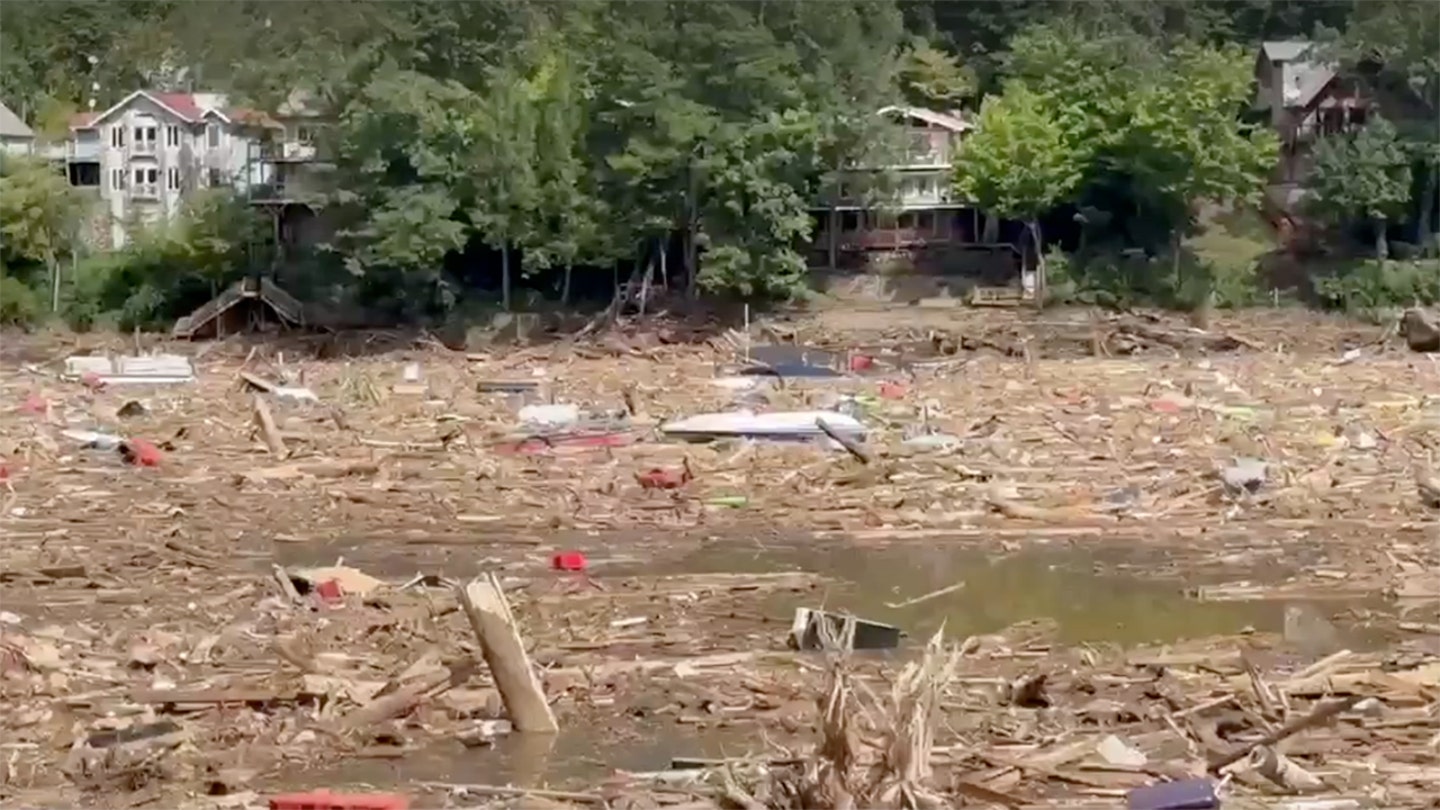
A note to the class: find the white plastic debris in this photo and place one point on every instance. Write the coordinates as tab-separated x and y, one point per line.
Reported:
160	369
1245	474
550	416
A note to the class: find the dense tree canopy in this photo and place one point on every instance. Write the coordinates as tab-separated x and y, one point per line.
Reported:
485	147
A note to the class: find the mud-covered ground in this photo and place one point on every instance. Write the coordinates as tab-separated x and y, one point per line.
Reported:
1067	523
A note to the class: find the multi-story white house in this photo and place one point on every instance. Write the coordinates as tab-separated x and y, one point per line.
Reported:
149	151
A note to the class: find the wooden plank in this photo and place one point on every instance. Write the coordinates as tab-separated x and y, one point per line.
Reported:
266	421
209	696
504	652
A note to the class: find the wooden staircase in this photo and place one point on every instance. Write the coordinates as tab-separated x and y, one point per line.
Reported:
285	306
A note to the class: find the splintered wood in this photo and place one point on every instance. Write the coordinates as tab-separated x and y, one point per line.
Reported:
504	652
279	599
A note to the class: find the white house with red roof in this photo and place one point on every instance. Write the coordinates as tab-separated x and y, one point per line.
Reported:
149	151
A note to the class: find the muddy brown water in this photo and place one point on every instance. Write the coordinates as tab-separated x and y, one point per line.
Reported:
1094	594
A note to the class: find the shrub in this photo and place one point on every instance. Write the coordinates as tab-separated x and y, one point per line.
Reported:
19	305
1373	285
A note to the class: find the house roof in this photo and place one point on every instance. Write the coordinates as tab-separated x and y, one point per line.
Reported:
939	119
11	126
1302	78
188	107
83	120
1305	83
1284	50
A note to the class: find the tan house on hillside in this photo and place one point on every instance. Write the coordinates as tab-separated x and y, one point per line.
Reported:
1305	99
917	210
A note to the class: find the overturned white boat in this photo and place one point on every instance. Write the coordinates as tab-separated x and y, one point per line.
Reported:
780	425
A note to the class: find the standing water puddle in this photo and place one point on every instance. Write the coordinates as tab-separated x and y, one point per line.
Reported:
1072	586
1077	588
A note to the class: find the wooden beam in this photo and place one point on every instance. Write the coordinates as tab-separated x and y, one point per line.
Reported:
504	652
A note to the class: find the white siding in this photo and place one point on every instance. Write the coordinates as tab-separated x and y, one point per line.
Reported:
17	146
181	152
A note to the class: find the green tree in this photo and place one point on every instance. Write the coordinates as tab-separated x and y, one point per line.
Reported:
507	192
1365	177
406	147
1020	162
762	177
1162	126
1395	46
1184	143
933	78
40	218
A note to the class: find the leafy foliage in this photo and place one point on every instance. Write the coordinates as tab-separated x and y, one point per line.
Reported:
1363	178
505	143
39	216
1021	161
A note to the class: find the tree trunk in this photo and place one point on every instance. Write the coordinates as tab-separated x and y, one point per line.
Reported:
833	229
1382	246
565	287
1427	202
692	254
1175	263
54	263
1041	283
649	274
505	277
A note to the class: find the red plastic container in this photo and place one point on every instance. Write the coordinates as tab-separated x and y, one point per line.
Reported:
325	800
568	561
140	453
329	591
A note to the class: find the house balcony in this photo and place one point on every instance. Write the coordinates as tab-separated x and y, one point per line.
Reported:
285	152
144	149
892	239
145	191
82	151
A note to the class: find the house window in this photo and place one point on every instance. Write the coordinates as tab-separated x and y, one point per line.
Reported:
172	136
304	135
922	149
117	136
117	179
907	221
172	179
925	222
215	179
850	221
212	136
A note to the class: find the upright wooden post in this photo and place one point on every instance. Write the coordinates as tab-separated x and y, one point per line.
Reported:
504	652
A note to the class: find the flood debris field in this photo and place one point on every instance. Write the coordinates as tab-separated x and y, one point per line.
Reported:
273	576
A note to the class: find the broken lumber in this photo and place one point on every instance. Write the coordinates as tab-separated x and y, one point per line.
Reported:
504	652
266	421
851	446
